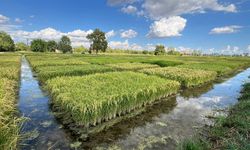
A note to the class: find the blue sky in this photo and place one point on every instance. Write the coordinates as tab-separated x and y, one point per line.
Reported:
209	25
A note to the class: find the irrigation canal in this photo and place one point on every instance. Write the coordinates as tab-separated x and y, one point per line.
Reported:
160	126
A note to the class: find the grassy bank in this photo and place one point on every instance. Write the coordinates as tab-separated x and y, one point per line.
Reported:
9	80
231	132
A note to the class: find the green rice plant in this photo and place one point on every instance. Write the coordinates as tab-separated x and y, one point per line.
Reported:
187	77
131	66
54	62
48	72
164	63
220	69
10	67
97	98
9	123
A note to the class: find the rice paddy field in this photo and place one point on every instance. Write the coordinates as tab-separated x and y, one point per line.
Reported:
87	91
9	82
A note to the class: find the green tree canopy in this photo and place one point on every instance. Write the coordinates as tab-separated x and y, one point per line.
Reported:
38	45
160	50
80	49
172	51
20	46
65	44
6	42
51	46
99	42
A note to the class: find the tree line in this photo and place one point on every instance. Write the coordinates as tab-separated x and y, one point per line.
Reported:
97	38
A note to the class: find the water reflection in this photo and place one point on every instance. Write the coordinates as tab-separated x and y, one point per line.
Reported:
45	132
163	125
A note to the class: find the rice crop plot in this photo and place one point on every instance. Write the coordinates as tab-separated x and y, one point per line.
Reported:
131	66
9	123
220	69
187	77
48	72
10	67
93	99
51	61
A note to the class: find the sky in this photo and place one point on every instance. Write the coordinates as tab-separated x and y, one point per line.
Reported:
221	26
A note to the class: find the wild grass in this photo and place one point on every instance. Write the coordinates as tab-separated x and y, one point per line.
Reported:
9	122
187	77
97	98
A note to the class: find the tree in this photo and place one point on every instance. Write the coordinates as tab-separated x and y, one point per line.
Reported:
99	42
51	46
145	52
6	42
80	49
20	46
65	44
172	51
160	50
38	45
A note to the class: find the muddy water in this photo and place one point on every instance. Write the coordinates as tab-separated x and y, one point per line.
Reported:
160	126
43	129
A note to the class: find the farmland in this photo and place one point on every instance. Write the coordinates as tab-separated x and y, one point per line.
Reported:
83	84
87	91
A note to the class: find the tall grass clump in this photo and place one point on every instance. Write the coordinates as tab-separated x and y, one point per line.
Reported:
93	99
131	66
187	77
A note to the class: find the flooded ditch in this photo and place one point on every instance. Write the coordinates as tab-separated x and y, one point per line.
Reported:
160	126
43	129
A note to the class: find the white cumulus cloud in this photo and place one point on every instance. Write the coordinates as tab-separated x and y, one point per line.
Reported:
121	2
157	9
6	25
3	19
110	34
167	27
18	20
225	30
129	34
124	45
129	9
78	37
